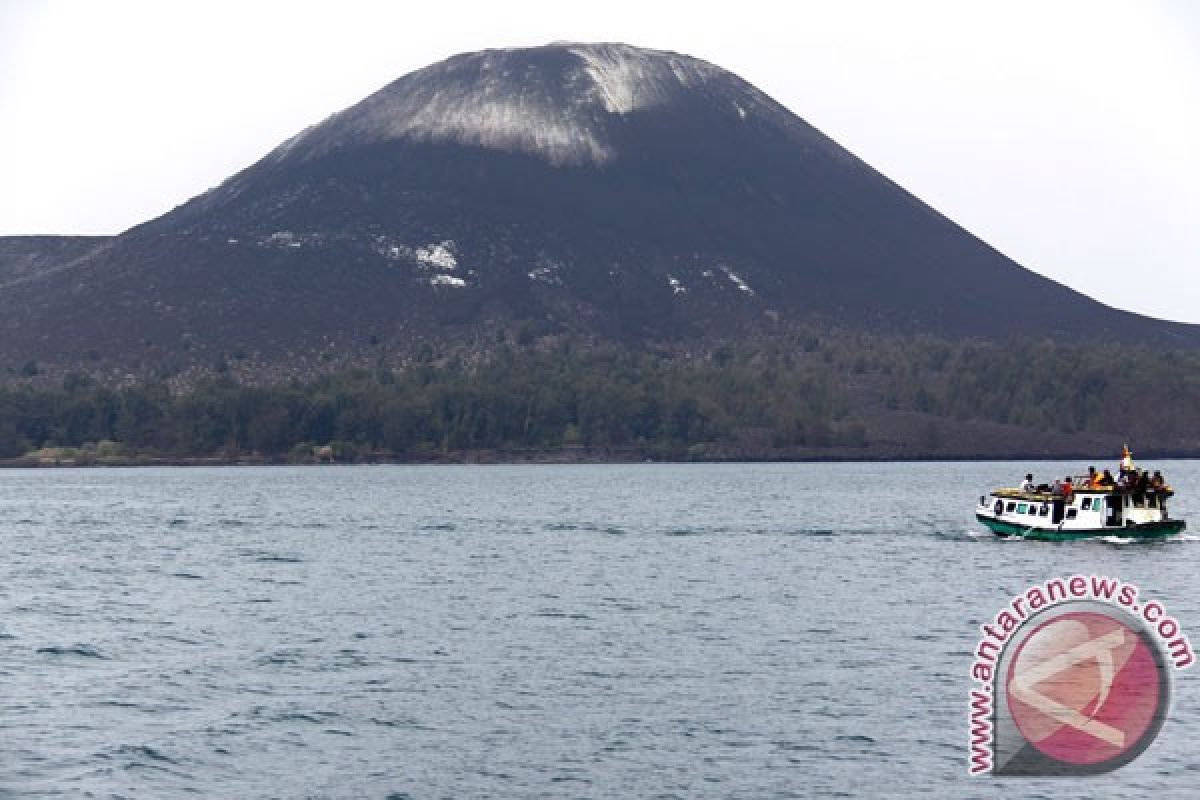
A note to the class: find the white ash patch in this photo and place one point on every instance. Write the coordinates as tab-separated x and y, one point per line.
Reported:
545	275
486	117
474	100
676	285
282	239
546	271
289	239
392	249
626	79
437	255
432	261
736	280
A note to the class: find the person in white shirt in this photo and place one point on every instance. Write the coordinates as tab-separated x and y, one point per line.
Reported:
1027	484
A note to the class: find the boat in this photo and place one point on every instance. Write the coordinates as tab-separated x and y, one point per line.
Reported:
1088	511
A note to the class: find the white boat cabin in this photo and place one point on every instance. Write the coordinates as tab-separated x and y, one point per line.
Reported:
1088	508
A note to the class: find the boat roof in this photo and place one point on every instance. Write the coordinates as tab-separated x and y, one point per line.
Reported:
1015	493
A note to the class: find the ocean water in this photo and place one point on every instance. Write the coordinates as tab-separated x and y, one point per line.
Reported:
724	631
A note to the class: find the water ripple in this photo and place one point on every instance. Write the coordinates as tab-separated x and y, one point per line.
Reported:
692	631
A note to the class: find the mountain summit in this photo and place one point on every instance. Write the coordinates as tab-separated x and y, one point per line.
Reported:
599	189
562	103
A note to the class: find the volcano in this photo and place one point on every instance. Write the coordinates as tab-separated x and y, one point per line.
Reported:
600	190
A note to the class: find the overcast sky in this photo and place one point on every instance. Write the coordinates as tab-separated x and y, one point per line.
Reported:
1066	134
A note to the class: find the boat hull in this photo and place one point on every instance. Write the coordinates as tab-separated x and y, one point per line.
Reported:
1149	530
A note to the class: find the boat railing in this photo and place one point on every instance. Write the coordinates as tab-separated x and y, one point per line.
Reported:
1081	483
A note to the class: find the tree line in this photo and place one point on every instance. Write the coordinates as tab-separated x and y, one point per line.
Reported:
811	391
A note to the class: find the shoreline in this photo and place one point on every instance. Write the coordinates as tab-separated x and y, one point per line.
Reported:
509	458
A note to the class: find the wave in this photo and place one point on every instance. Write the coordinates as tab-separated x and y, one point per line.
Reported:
141	751
272	558
686	532
82	650
553	612
587	527
312	717
813	532
280	657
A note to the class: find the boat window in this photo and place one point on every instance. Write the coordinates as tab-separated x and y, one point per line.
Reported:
1139	500
1072	513
1151	501
982	500
1010	507
1127	501
1021	508
1044	510
1087	504
1032	510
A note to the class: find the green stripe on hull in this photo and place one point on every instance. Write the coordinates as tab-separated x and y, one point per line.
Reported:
1153	530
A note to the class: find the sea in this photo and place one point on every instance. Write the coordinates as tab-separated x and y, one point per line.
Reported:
567	631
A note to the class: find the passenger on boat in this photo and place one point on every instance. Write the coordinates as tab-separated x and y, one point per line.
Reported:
1128	472
1127	477
1106	481
1056	488
1068	489
1157	482
1027	484
1093	479
1138	486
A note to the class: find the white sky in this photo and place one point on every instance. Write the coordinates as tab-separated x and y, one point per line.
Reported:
1066	134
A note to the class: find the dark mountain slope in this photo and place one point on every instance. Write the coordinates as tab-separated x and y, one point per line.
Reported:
598	189
24	257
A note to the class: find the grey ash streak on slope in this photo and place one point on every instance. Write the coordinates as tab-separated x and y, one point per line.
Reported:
27	257
603	190
559	110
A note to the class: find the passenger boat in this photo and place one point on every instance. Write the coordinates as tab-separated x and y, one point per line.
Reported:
1090	511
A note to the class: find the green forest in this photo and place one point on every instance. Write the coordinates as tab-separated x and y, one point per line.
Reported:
838	395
